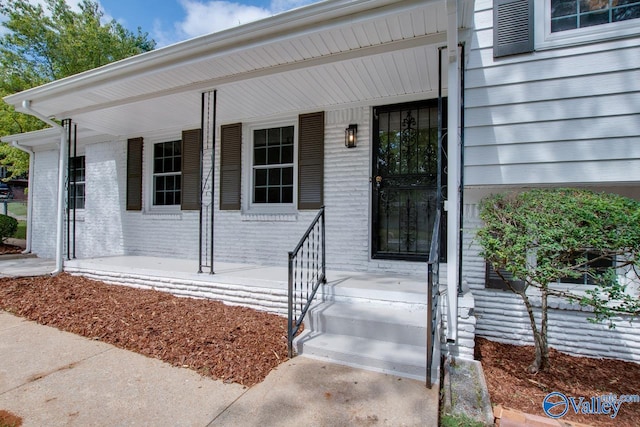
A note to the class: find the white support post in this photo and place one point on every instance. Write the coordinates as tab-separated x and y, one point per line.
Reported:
62	173
453	166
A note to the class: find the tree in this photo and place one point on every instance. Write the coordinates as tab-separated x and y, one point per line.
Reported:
544	236
42	44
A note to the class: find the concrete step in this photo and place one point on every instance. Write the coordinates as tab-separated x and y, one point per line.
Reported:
372	321
382	356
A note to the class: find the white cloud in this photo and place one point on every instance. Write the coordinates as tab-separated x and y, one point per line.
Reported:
213	16
203	18
278	6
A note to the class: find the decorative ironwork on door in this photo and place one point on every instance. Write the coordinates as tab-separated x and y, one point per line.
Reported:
405	179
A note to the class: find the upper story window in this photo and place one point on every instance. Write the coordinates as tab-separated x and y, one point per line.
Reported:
273	164
77	183
167	176
572	14
569	22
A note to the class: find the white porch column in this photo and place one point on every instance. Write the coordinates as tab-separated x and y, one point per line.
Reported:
62	173
453	166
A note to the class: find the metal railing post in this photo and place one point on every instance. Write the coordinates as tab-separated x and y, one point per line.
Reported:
290	309
324	255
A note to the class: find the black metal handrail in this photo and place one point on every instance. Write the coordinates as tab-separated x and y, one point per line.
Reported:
433	275
307	270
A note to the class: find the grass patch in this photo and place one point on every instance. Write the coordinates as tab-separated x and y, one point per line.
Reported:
17	209
21	232
447	420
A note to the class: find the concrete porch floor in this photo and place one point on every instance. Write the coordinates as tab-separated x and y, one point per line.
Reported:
263	287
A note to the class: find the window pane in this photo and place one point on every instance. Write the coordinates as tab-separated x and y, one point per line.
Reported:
260	138
563	8
287	135
260	177
597	18
260	156
624	13
287	176
274	195
274	177
564	24
260	195
273	157
287	195
287	154
591	5
274	137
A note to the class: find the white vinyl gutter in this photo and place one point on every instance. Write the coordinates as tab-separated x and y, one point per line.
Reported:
62	166
29	195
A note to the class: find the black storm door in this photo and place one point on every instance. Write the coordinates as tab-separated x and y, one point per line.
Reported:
405	171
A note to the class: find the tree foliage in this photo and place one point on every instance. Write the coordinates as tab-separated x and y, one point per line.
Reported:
545	236
49	41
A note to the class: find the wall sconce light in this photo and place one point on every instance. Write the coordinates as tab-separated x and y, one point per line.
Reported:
350	136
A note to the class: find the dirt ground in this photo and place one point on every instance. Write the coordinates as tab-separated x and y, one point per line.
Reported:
509	383
6	249
233	344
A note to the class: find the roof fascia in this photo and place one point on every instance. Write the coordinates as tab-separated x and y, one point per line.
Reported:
226	40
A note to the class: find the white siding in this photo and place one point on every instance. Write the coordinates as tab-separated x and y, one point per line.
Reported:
564	115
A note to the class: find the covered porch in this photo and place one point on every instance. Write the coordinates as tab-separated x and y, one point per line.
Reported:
338	61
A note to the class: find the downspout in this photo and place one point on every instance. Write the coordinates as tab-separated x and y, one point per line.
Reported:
453	177
29	195
26	104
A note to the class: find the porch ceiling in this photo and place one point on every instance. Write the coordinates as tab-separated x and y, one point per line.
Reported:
354	52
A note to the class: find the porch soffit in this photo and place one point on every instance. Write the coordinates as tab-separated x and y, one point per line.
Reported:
389	52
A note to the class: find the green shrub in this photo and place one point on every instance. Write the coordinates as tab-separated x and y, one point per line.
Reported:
8	227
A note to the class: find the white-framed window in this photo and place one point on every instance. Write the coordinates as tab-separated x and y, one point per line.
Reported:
272	176
77	175
566	22
167	173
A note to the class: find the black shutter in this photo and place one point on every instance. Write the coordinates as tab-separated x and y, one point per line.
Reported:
512	27
230	166
190	191
311	160
493	281
134	174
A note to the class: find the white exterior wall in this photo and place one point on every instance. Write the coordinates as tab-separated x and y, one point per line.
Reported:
266	239
44	188
562	115
105	228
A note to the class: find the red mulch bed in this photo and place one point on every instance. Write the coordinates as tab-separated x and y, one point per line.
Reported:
234	344
510	385
7	419
6	249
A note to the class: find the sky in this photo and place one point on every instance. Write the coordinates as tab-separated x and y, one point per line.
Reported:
171	21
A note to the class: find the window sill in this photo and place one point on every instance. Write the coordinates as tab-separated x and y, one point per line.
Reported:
163	213
598	33
269	216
